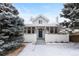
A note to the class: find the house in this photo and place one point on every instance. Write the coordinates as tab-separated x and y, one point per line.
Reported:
40	29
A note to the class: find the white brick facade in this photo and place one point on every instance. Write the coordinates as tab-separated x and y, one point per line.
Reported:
41	29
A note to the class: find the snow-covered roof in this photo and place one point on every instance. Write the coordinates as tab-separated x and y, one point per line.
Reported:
40	16
27	25
75	31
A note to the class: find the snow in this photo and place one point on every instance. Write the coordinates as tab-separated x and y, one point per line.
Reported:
76	30
51	49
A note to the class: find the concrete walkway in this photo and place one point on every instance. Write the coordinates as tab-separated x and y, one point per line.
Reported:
40	41
51	49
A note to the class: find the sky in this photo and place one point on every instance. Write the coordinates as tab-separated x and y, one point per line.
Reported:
49	10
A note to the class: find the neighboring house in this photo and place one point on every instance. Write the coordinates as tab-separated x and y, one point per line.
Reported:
40	29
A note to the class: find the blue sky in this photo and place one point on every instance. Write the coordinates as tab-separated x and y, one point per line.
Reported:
49	10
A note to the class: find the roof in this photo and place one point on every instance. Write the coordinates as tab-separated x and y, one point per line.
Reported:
50	25
40	16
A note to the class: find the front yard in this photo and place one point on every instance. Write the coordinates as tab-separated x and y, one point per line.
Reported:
51	49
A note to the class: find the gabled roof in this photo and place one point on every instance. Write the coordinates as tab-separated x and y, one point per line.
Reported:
40	16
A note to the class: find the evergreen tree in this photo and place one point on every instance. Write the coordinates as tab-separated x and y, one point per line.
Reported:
11	28
65	23
71	11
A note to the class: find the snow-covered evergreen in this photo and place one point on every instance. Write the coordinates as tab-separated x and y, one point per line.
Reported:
11	28
71	11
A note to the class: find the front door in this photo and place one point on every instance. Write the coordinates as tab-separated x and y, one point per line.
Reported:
40	39
40	33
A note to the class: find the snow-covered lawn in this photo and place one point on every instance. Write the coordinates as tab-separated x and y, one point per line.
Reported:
51	49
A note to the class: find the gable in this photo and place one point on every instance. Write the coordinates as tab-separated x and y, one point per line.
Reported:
40	20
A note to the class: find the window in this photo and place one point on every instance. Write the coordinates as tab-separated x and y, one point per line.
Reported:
51	29
40	21
31	30
28	30
56	30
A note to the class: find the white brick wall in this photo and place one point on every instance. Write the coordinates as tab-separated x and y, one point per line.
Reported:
48	38
57	37
30	38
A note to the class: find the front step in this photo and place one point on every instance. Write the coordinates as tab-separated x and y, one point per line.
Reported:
40	41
